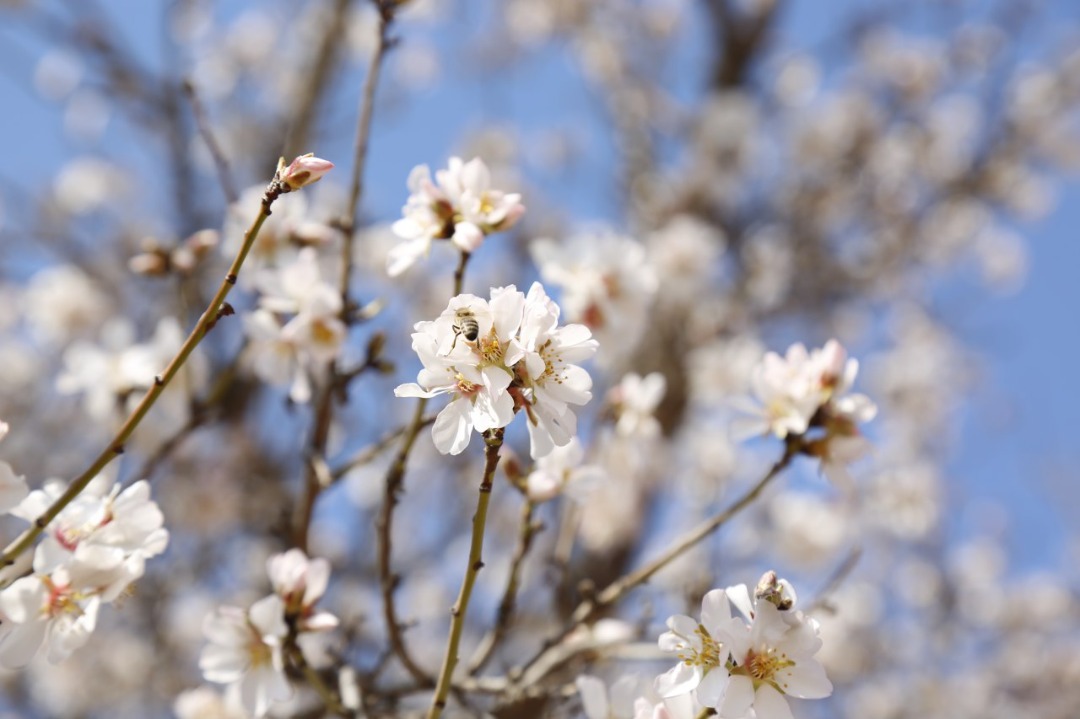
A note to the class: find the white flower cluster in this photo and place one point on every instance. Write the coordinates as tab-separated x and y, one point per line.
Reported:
498	357
806	390
284	352
460	206
607	283
745	666
247	647
92	551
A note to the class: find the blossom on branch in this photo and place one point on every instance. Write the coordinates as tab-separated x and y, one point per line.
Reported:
810	390
496	358
741	665
92	551
460	206
303	171
246	652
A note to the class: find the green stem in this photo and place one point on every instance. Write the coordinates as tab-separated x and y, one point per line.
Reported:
493	442
116	446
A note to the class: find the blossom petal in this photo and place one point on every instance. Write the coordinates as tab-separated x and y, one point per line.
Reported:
770	704
453	427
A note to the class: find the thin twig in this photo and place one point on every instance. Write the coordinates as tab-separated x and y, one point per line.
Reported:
116	446
363	136
324	402
493	440
202	122
593	606
370	452
507	604
330	698
388	581
846	567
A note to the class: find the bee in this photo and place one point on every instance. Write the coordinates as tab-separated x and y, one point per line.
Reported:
465	325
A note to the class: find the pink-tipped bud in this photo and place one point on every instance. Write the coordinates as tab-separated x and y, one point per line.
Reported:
303	171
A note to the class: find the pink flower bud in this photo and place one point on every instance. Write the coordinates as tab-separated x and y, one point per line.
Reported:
304	170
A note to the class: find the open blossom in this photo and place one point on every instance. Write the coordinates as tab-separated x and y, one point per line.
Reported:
702	652
804	391
246	653
496	357
301	582
460	205
551	372
562	471
59	610
104	536
742	665
772	657
285	351
630	697
607	284
635	400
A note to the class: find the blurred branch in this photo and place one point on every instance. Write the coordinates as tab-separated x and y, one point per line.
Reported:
318	79
491	640
221	163
324	403
368	453
739	38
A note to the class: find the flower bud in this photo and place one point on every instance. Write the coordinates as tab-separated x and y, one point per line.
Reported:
304	170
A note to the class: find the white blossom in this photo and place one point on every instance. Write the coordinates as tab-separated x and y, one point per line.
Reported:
702	652
562	471
737	667
460	205
635	400
246	653
772	657
514	355
804	391
301	582
57	610
286	353
551	374
102	538
607	284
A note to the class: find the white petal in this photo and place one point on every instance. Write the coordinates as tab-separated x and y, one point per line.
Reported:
452	429
680	679
770	704
738	698
806	680
713	686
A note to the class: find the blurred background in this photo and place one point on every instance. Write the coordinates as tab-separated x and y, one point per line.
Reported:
898	175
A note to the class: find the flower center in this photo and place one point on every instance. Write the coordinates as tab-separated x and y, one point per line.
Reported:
464	386
553	364
62	600
323	332
490	348
708	656
762	667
